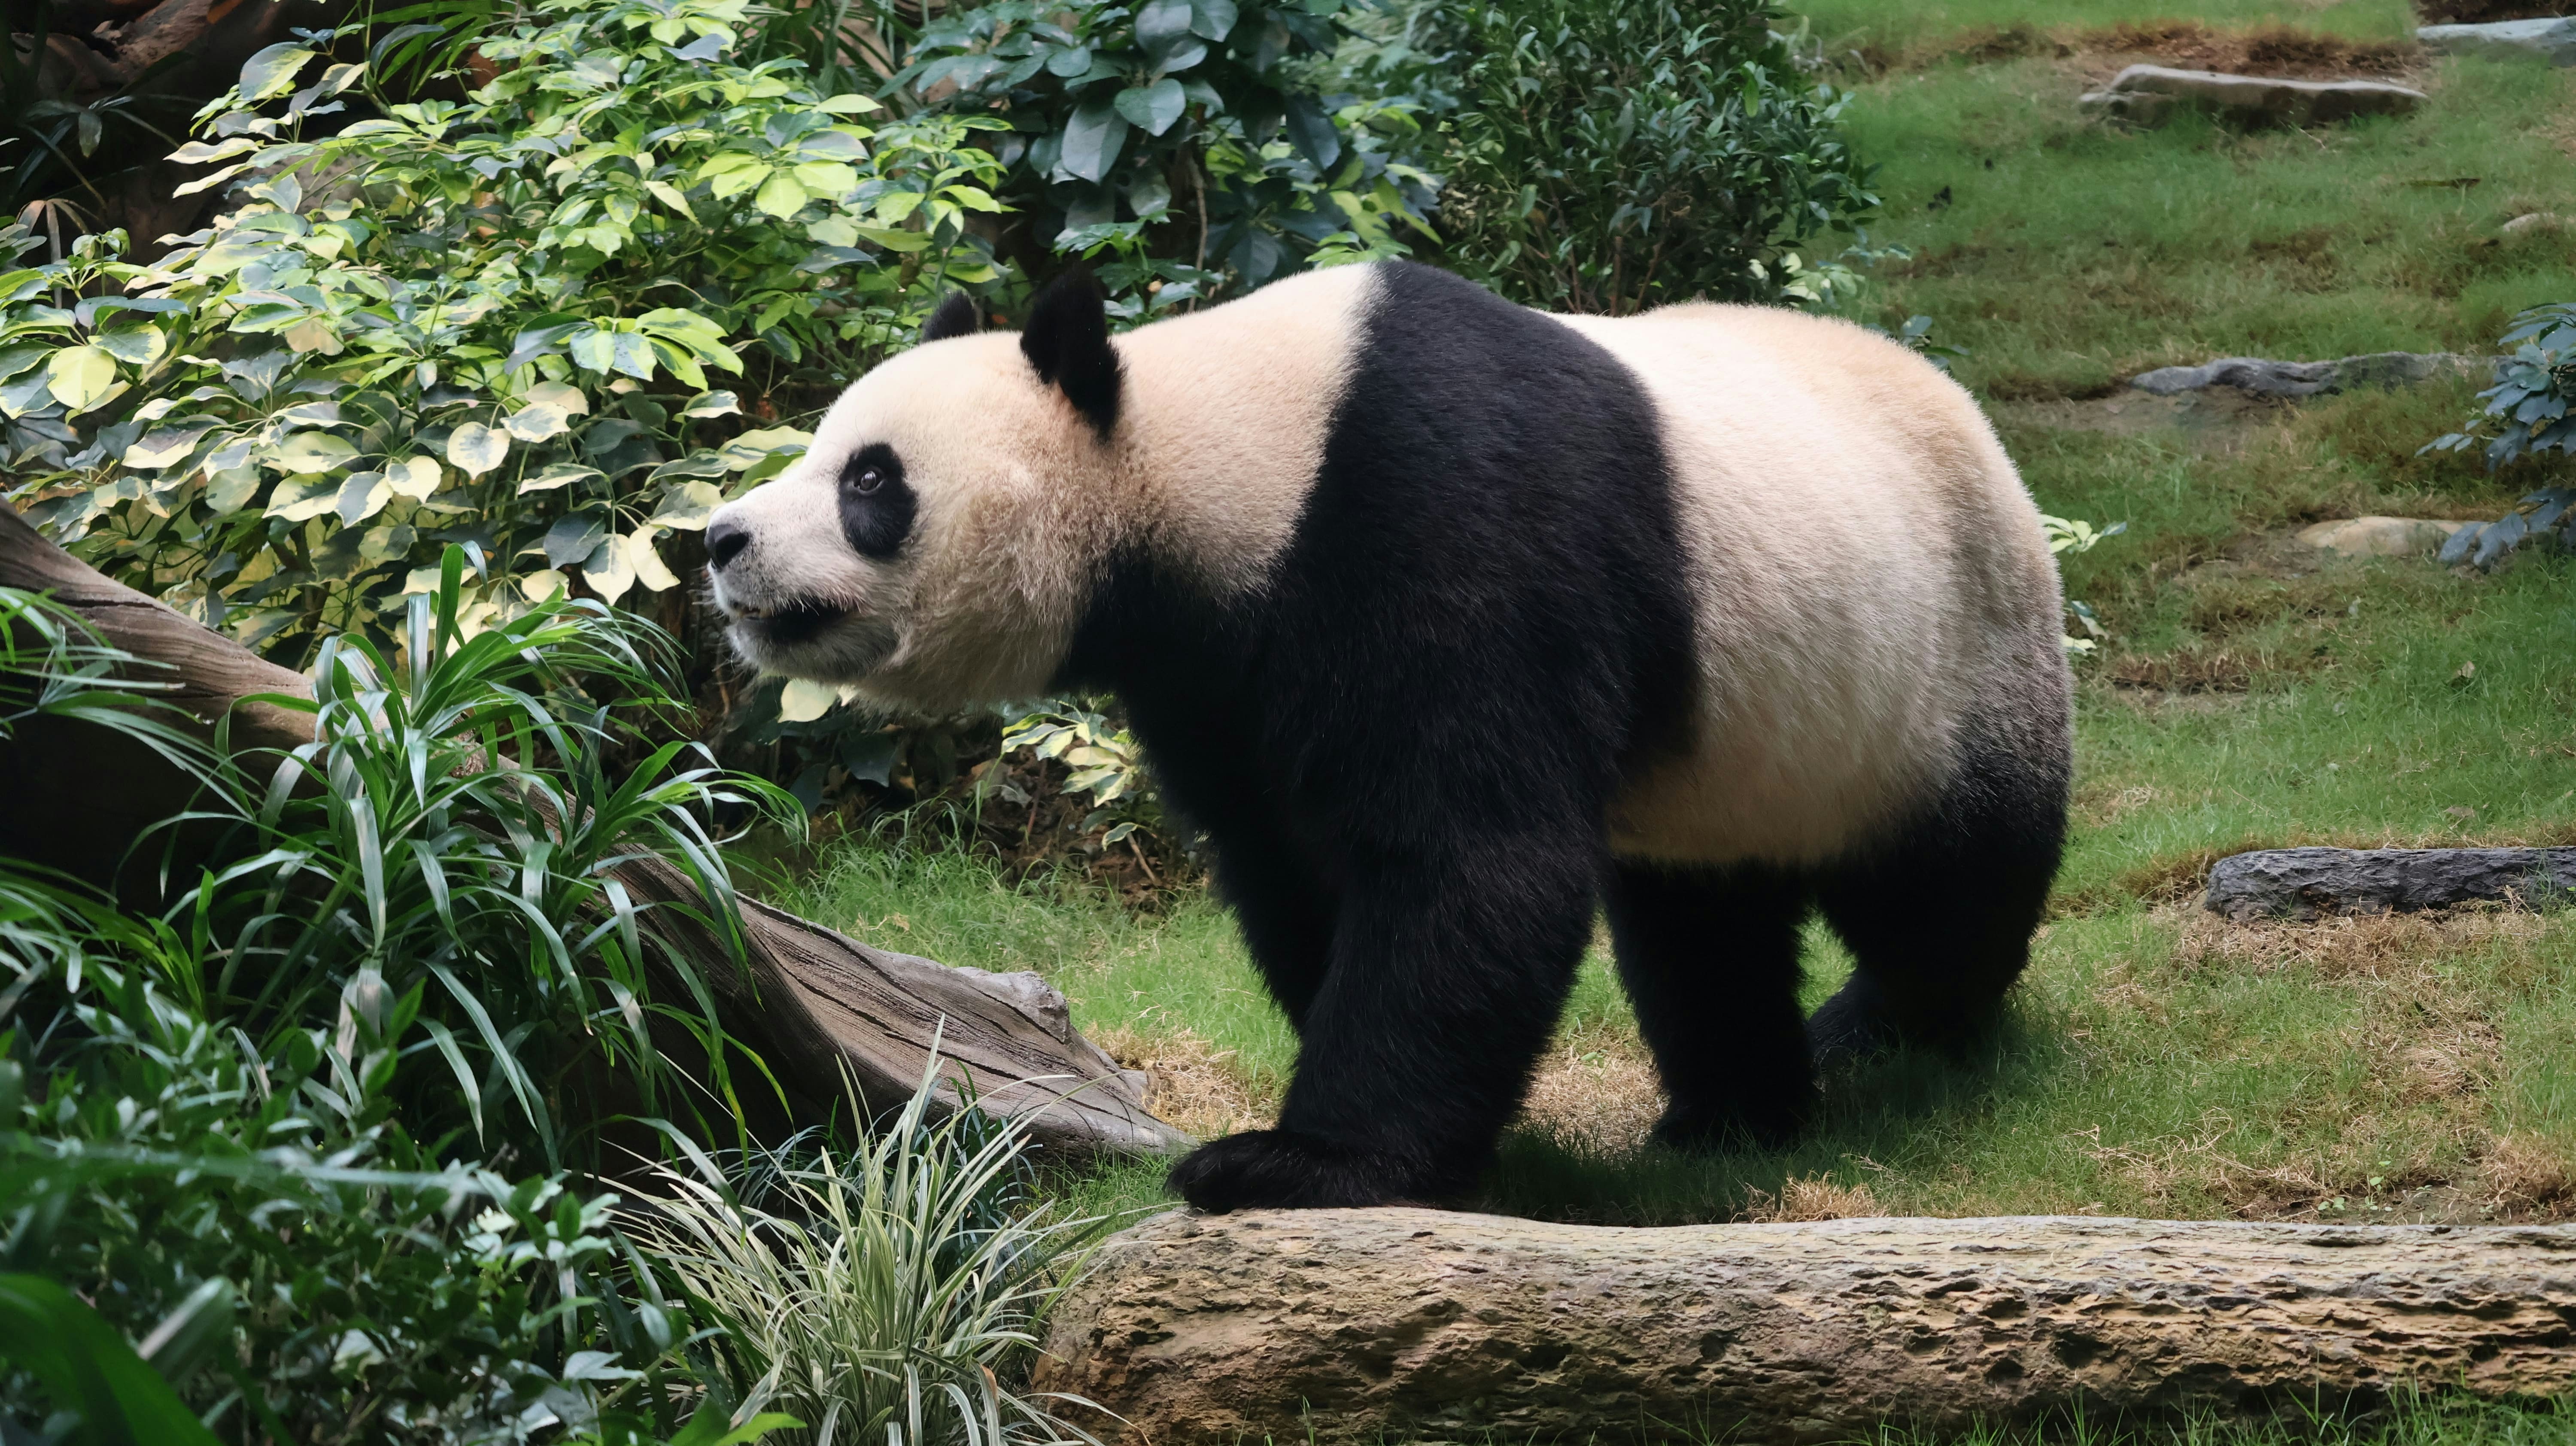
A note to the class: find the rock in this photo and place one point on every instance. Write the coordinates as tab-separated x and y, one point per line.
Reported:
2302	883
2380	536
1401	1324
2308	379
2554	38
2149	94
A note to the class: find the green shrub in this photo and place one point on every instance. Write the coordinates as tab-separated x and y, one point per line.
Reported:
887	1293
244	1128
2524	414
1183	142
1611	155
494	323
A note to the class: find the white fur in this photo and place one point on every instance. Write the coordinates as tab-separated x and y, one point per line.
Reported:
1020	504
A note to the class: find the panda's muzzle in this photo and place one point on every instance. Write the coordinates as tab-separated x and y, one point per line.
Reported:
791	623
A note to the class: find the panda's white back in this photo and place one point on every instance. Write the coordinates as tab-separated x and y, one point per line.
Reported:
1870	575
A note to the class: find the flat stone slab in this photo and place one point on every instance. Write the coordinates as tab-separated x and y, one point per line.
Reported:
2303	883
2269	378
2380	536
2553	38
2151	94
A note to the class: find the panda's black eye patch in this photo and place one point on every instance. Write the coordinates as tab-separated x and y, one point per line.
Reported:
876	505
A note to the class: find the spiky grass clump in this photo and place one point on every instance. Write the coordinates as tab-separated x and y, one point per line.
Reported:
887	1294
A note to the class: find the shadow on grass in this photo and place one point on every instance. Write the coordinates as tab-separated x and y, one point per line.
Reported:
1900	1104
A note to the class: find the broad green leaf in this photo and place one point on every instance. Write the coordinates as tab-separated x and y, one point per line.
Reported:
781	196
607	569
687	507
81	377
1153	107
164	447
363	496
803	700
415	478
556	475
270	72
761	443
16	359
477	449
313	452
1212	18
646	561
538	586
138	345
1161	25
231	489
1096	133
713	404
827	178
573	538
630	353
314	333
560	394
593	350
300	499
538	421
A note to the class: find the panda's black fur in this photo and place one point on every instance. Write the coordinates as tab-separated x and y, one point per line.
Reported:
1402	749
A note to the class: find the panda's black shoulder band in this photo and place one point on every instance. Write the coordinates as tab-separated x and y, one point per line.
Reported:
1067	340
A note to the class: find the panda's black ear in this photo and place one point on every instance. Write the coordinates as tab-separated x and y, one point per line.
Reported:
1067	340
956	316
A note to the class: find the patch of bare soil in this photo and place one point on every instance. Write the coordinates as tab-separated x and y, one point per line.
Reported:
1597	1096
2274	49
1191	1083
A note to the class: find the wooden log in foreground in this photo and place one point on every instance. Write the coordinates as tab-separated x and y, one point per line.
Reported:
1407	1324
813	1003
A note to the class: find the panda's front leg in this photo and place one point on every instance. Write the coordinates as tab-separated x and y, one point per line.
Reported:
1446	978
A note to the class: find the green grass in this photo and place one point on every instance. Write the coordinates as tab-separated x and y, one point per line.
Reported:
2069	254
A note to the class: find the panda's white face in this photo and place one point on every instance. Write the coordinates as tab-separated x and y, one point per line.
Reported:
928	546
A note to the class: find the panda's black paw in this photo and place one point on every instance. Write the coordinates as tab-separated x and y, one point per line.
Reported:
1282	1170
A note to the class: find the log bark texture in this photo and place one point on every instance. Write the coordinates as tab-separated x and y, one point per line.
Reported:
813	1002
1408	1324
2301	883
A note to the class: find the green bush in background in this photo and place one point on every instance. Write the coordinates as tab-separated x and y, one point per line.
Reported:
501	323
1612	155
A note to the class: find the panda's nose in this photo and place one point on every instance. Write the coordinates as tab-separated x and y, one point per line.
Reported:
725	542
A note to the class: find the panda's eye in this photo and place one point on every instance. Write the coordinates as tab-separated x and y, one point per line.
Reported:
870	479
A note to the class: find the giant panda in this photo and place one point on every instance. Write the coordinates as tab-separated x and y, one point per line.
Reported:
1448	622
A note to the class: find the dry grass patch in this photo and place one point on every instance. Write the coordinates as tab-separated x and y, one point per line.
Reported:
2392	947
2274	49
1596	1097
1813	1197
2528	1180
1191	1083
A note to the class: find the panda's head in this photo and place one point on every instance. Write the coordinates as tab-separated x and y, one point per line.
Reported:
934	544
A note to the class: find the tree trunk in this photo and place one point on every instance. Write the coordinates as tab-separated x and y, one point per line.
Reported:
1400	1324
813	1002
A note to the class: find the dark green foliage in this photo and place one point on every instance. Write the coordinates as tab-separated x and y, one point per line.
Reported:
2525	413
1610	155
1181	139
272	1131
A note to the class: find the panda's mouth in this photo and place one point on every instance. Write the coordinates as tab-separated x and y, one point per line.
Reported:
790	623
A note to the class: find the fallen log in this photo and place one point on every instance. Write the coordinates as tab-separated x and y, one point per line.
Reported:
1402	1324
813	1002
2301	883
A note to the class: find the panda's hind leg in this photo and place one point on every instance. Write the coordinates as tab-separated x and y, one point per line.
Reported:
1710	959
1939	918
